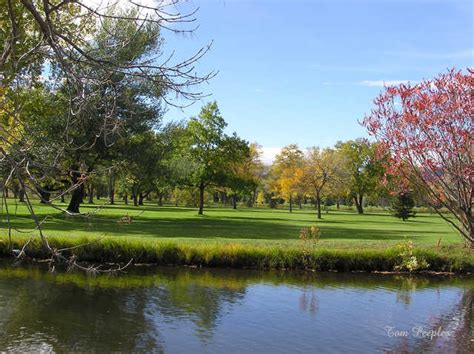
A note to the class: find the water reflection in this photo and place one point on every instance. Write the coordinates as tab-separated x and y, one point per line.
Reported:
181	310
309	301
69	317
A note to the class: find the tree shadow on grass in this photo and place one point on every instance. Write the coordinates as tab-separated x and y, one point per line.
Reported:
270	219
372	234
133	209
211	228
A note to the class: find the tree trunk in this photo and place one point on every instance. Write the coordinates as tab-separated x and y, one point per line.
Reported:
300	203
76	200
112	188
15	192
358	199
125	199
201	198
142	197
62	198
471	233
318	204
78	192
21	195
135	199
44	195
337	204
254	196
90	192
291	204
160	199
234	202
470	225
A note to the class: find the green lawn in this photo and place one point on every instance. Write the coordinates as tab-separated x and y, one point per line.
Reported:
260	227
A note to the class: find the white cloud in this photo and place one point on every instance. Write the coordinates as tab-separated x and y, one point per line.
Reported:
383	83
269	153
259	90
369	83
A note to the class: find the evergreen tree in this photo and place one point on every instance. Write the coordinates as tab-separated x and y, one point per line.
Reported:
403	205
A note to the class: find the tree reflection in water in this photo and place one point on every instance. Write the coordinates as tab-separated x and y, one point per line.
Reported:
38	316
151	310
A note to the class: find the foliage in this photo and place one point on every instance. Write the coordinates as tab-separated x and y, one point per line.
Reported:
246	175
409	261
209	154
185	196
427	130
320	167
403	206
261	199
103	66
287	170
364	168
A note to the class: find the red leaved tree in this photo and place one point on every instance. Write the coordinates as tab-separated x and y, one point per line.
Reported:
428	130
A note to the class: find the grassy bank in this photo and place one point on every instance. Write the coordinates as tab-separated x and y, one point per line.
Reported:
447	259
246	237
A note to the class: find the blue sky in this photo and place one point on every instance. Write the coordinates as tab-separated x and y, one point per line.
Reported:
305	71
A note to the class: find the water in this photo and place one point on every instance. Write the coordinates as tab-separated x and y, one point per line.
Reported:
179	310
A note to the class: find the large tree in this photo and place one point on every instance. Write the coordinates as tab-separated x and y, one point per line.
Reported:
246	176
319	169
427	128
288	169
83	52
141	156
364	169
209	153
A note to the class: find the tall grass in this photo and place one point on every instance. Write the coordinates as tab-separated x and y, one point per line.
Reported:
238	255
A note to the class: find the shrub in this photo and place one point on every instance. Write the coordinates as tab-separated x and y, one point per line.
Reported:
402	206
409	261
309	237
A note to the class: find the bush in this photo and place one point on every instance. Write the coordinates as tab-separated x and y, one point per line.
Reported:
409	261
403	205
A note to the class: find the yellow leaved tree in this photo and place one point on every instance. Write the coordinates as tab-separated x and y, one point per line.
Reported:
288	170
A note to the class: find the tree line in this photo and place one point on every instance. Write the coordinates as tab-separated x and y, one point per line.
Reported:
195	161
83	91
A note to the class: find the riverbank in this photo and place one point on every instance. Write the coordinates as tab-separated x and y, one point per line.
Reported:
235	255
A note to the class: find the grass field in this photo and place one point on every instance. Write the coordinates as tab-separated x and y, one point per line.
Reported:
262	227
244	237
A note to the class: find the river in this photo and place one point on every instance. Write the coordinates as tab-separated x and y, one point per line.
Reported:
183	310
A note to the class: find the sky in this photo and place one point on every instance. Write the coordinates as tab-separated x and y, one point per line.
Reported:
306	71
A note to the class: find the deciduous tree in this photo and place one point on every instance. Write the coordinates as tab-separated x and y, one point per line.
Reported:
209	153
319	168
288	169
427	128
364	168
